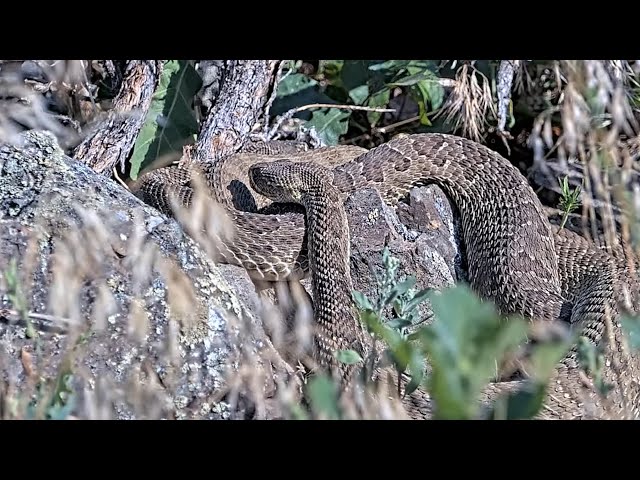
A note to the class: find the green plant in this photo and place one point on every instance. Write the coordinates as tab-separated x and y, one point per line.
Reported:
463	345
358	83
569	200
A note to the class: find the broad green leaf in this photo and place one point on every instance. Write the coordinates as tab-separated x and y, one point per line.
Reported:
359	94
348	357
379	99
631	328
298	413
401	349
370	320
432	92
427	92
170	122
323	396
416	371
374	324
361	300
464	343
330	124
398	306
61	411
591	359
404	286
421	65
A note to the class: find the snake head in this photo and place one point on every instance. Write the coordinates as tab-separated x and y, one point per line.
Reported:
287	181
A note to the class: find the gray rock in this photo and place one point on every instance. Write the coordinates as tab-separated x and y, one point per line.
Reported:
421	234
149	325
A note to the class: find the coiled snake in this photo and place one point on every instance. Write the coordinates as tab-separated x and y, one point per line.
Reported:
516	258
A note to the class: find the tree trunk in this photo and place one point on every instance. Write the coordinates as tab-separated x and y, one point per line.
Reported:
243	96
112	142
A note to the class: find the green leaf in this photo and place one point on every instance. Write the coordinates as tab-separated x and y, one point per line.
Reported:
379	99
294	83
297	413
348	357
375	325
424	116
361	300
413	79
330	124
61	411
404	286
464	343
592	361
296	90
631	328
331	69
359	94
371	320
416	371
323	396
587	354
394	65
399	289
432	92
401	350
170	122
418	298
417	65
523	404
427	91
398	323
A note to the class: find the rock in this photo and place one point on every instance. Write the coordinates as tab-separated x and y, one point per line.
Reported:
420	234
120	298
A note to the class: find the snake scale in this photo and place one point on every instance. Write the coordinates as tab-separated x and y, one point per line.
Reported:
516	258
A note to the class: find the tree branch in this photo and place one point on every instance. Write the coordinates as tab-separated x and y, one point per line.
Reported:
111	143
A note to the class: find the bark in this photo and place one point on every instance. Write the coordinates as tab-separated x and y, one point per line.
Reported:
111	143
211	73
245	90
148	324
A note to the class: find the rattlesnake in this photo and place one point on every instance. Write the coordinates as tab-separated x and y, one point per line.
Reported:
516	257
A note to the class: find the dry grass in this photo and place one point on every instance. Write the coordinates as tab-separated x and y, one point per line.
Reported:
470	103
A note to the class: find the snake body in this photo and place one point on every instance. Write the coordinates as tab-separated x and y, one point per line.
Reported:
516	258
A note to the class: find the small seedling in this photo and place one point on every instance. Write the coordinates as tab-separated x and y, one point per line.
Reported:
570	199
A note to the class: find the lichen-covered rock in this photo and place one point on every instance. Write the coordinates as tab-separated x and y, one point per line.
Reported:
116	295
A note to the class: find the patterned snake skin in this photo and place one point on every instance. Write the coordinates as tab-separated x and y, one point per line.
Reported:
516	257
